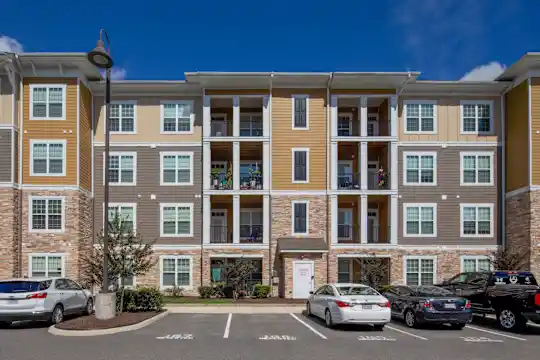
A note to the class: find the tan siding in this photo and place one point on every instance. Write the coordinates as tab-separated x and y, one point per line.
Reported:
6	101
363	91
284	139
535	127
238	92
517	137
85	138
51	130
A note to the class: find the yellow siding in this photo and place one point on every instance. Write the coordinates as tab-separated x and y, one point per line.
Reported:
517	137
6	101
238	92
535	127
85	138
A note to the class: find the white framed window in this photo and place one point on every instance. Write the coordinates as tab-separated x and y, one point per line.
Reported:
127	212
476	220
176	270
176	168
300	165
420	116
473	263
251	224
46	214
123	117
48	157
420	168
345	121
46	265
476	117
420	270
300	217
176	220
420	220
300	112
476	168
177	117
122	168
48	102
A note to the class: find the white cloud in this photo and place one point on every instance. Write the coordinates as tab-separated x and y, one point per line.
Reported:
117	73
487	72
9	44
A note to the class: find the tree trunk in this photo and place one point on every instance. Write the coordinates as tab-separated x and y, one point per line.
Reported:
122	300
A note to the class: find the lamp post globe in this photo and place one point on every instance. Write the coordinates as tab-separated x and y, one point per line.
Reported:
100	57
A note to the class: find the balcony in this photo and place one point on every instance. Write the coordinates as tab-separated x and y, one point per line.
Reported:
377	117
376	234
250	117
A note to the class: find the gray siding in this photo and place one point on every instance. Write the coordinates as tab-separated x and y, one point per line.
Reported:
5	155
448	184
148	183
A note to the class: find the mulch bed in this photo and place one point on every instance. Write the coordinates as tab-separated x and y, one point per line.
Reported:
247	301
91	323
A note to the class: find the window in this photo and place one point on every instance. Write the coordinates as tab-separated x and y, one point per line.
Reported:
300	162
47	214
122	168
122	118
345	124
300	219
46	265
476	168
176	220
251	125
476	220
251	228
344	270
476	117
475	263
420	117
420	168
420	270
420	220
127	215
48	102
176	168
300	111
177	117
48	158
176	271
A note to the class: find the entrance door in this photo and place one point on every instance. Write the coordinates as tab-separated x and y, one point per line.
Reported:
218	226
373	125
373	226
303	274
345	124
373	169
345	174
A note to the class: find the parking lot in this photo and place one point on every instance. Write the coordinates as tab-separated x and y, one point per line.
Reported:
276	336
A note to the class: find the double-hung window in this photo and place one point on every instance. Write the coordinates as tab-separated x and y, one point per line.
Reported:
176	220
476	117
476	168
300	111
48	102
176	271
420	168
122	168
127	215
46	265
476	220
300	162
251	225
177	117
122	118
475	263
47	214
420	270
176	168
420	220
300	217
48	158
420	117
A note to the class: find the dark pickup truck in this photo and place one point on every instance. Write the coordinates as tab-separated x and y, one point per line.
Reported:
513	296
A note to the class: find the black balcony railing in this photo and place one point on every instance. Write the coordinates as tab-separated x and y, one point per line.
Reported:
221	182
378	181
220	128
348	234
251	182
219	235
348	181
375	234
251	234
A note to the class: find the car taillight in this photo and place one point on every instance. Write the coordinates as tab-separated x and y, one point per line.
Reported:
341	304
537	299
467	304
37	296
384	304
428	305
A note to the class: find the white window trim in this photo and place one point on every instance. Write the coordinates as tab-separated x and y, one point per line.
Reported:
33	86
293	204
62	256
351	116
475	258
125	102
120	153
31	198
476	154
420	258
294	150
121	204
48	142
491	220
191	117
420	205
299	96
419	154
177	205
120	283
350	211
162	154
476	102
420	102
175	257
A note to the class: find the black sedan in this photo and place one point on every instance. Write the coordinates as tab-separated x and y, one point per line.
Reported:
418	305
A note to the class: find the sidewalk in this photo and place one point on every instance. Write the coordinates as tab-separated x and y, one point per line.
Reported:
235	308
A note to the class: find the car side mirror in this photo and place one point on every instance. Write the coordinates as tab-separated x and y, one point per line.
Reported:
311	293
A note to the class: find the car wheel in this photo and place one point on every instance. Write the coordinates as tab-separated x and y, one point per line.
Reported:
89	307
57	315
410	319
328	319
4	324
378	327
457	326
308	309
511	320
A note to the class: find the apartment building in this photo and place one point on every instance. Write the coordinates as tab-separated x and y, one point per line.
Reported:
307	175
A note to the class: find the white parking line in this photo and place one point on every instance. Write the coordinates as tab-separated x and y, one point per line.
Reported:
227	327
405	332
495	333
308	326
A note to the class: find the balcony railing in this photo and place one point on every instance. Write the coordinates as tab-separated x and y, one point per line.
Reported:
348	181
350	234
221	182
251	182
251	234
219	235
378	181
219	128
251	128
248	128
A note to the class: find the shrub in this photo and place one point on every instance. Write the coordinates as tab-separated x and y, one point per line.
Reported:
175	291
206	292
140	299
219	288
261	291
384	288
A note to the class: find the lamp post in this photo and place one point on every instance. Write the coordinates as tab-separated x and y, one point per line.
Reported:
101	57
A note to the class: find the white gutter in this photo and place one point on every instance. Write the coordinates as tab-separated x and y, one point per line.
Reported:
402	86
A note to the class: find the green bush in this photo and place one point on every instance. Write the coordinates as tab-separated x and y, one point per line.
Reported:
140	299
175	291
261	291
206	292
384	288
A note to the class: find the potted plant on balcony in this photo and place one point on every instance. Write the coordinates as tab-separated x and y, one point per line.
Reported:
255	175
215	178
229	177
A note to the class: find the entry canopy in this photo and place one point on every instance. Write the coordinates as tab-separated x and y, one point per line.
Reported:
302	245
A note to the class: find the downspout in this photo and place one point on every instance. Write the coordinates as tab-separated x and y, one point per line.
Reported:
328	211
402	86
21	125
270	265
502	176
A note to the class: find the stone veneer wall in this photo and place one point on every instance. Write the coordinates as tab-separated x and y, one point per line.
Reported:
9	234
535	233
321	274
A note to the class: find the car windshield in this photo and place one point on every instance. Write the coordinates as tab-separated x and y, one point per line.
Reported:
356	290
431	291
12	287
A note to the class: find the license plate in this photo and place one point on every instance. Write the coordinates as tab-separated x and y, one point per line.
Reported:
367	307
449	306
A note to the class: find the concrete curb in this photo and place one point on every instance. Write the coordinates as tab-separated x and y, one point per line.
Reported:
59	332
209	309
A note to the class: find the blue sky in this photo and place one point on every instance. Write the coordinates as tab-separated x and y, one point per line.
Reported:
158	39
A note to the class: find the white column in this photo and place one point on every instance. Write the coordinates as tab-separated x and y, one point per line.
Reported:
334	165
207	117
334	219
334	116
207	219
266	166
236	116
266	219
236	165
363	219
207	165
393	165
394	219
236	219
363	163
393	116
266	116
362	115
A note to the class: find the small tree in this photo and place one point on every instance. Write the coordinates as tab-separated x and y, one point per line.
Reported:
509	259
128	256
374	270
237	273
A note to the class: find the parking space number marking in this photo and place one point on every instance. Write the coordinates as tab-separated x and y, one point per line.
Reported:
376	338
176	337
277	337
479	339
